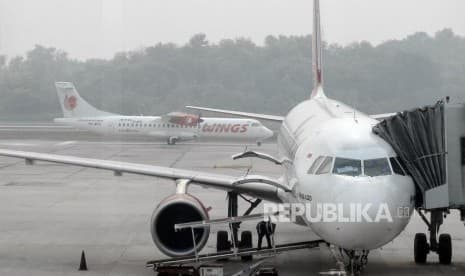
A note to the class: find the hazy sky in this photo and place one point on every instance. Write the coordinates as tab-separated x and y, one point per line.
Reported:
99	28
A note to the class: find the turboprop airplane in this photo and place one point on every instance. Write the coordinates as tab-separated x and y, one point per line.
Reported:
172	127
332	162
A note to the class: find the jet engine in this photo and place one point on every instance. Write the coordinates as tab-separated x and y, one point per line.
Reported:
179	208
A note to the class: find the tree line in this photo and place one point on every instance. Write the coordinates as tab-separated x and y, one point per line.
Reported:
238	74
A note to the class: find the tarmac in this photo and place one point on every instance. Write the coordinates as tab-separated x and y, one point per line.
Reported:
49	213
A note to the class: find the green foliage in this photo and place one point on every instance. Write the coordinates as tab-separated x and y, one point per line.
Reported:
237	74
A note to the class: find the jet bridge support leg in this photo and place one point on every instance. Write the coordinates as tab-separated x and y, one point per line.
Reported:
436	218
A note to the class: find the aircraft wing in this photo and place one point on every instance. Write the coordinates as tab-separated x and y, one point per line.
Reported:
257	186
241	114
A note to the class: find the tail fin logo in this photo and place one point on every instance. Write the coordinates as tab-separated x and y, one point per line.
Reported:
70	102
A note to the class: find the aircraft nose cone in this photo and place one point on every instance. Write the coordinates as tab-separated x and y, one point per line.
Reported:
267	133
363	235
368	213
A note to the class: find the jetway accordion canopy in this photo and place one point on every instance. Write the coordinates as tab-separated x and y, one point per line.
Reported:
418	138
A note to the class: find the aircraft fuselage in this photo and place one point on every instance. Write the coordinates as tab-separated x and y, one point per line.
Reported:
339	163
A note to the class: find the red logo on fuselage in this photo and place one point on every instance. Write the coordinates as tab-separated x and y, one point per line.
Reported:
225	128
70	102
186	120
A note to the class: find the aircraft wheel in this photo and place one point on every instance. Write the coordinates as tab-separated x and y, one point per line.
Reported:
171	141
259	143
246	243
222	242
420	248
445	249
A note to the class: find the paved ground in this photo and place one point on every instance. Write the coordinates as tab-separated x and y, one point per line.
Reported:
49	213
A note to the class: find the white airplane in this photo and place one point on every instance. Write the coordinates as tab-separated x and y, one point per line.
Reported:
330	156
172	127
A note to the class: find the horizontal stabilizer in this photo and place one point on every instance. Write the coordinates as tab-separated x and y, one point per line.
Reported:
273	118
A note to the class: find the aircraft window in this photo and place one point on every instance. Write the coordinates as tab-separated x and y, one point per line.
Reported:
315	164
376	167
325	166
145	125
350	167
255	124
396	166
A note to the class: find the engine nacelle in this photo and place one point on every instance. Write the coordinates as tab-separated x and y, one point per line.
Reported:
179	208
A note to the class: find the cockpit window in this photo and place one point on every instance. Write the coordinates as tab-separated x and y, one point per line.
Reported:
350	167
396	166
376	167
315	164
255	124
325	166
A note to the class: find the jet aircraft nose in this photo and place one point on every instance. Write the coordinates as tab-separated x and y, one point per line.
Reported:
268	133
371	211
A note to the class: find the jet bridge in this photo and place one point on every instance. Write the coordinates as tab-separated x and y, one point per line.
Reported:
430	142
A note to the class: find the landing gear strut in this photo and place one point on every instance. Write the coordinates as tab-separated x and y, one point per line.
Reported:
357	261
442	246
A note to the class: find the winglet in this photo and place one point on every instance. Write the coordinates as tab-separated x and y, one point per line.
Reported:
317	52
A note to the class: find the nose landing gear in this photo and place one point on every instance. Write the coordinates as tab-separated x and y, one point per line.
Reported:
357	261
442	246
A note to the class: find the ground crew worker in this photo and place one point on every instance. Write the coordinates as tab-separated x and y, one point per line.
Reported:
265	228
